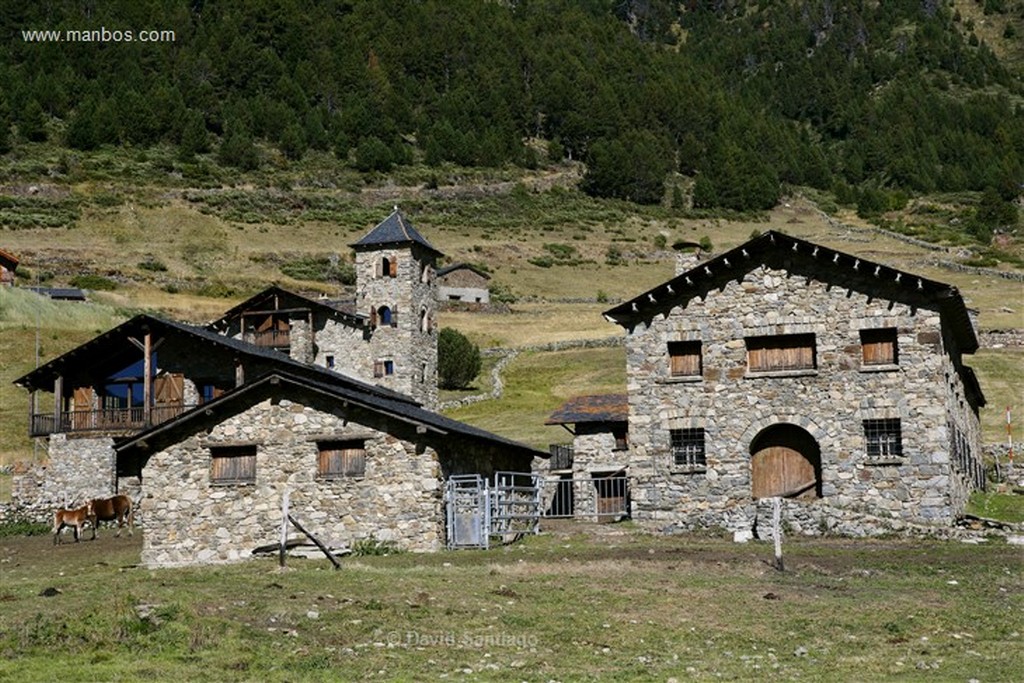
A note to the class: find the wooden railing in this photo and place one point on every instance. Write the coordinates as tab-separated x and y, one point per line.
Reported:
561	456
275	339
108	420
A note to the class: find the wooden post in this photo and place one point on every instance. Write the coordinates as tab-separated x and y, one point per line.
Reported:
284	528
147	380
323	548
239	373
58	399
777	531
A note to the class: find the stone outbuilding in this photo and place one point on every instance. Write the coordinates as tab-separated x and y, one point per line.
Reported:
787	368
463	283
357	466
8	264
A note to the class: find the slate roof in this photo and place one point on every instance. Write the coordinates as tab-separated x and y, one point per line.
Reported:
60	293
395	229
331	308
441	272
779	250
6	256
43	376
282	384
593	408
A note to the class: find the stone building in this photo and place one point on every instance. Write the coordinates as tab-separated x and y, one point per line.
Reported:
148	378
463	283
589	478
356	465
786	368
8	264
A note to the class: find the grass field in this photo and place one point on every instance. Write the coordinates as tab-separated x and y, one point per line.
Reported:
611	605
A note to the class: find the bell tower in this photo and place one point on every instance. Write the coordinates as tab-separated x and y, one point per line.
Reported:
396	290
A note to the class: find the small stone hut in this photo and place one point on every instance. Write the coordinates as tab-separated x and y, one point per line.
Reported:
8	264
463	283
788	368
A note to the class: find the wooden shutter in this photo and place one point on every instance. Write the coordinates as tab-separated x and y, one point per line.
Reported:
169	389
783	352
394	316
231	465
373	317
684	359
342	459
878	346
378	368
393	268
82	405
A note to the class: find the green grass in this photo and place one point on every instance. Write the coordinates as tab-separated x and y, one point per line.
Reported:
1006	507
1001	375
619	606
537	383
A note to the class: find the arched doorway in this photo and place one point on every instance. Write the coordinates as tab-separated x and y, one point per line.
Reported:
785	460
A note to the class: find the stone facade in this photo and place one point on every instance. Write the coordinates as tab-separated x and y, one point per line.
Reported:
824	406
402	352
463	283
397	497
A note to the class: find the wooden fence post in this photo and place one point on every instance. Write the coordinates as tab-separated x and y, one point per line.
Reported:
777	531
284	528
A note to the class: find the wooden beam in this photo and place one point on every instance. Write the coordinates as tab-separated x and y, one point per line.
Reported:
323	548
58	396
147	379
239	373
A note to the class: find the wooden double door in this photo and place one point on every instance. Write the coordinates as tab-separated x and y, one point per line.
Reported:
785	461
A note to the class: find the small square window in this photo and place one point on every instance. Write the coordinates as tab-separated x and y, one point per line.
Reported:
688	447
330	362
883	438
233	464
383	368
685	359
342	459
878	346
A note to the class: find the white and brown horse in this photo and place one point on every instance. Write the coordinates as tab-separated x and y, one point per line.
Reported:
117	508
76	519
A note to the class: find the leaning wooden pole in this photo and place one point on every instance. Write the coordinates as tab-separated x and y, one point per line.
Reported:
323	548
284	529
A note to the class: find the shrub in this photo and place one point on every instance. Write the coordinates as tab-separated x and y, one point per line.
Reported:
22	527
93	282
153	265
458	359
502	293
372	547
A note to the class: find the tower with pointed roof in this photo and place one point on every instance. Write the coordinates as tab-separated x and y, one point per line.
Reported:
395	290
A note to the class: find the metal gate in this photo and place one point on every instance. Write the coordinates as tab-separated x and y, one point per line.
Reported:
600	497
467	511
515	503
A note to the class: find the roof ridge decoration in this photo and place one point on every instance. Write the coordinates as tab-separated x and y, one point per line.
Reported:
796	253
395	229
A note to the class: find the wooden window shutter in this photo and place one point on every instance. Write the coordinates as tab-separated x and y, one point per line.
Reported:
684	359
233	464
378	368
393	268
342	459
781	352
394	316
373	317
879	346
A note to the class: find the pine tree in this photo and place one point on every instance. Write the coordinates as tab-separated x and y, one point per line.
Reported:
32	123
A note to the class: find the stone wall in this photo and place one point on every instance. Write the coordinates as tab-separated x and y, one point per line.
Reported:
195	521
76	470
829	403
473	295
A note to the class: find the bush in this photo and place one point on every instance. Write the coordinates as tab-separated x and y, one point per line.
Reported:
93	282
458	360
21	527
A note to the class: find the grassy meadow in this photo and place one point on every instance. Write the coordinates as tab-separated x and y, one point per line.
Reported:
610	604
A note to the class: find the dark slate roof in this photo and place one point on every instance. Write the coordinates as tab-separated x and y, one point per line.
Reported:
395	229
331	308
441	272
62	293
43	376
597	408
800	256
283	383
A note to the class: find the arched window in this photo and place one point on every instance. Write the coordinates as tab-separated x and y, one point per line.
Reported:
384	315
424	321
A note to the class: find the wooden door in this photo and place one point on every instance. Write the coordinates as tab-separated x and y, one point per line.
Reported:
782	471
169	389
82	408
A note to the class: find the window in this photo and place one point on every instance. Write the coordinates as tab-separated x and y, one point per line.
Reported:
781	352
684	358
383	368
329	362
388	267
233	464
621	435
879	346
384	315
688	447
209	391
883	438
339	459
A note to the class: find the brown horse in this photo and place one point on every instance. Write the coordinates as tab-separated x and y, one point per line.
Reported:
75	519
118	508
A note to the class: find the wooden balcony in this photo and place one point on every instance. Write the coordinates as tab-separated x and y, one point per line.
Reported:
116	420
272	339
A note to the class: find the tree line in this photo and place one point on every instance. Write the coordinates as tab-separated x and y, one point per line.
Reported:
743	97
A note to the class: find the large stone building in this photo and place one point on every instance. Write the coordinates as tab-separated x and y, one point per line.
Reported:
102	406
785	368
